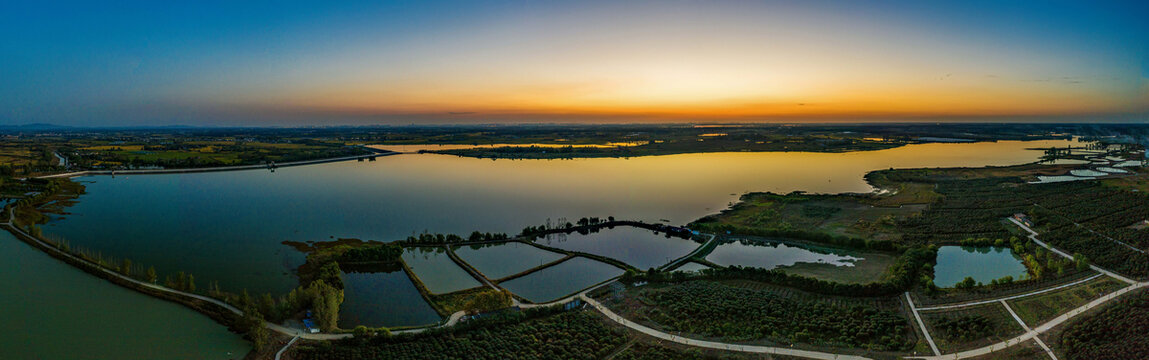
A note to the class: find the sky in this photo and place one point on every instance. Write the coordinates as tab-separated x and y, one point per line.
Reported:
284	63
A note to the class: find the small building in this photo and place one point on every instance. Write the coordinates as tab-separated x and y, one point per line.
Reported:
309	325
573	304
1022	218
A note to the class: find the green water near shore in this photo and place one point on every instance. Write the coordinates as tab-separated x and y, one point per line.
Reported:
51	310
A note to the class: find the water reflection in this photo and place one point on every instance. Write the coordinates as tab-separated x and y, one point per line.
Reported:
769	255
229	226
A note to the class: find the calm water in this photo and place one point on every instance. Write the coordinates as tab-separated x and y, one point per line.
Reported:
637	247
54	311
383	299
984	264
505	259
228	226
437	271
560	280
767	255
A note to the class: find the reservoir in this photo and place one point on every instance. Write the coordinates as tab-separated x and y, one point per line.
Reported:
59	312
983	264
228	226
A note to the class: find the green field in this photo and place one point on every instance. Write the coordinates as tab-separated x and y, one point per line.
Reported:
970	327
840	215
874	268
1038	309
767	315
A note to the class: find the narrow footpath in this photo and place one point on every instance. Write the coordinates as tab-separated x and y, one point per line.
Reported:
1032	333
218	168
451	321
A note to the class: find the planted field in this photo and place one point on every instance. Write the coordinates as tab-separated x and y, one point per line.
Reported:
573	335
1038	309
1117	332
733	313
970	327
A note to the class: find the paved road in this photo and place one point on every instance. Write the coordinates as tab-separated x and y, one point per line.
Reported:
1026	327
279	354
922	324
711	344
674	263
451	321
1032	333
1033	236
983	302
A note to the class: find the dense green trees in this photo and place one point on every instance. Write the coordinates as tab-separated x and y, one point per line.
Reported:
1118	332
488	301
443	239
740	314
573	335
964	328
372	253
325	300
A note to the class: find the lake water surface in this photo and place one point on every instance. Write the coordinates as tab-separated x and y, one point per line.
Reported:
228	226
52	310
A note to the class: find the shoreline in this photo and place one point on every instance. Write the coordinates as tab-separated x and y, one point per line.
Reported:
376	153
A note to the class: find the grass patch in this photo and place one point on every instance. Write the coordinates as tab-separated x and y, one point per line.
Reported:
840	215
951	331
1038	309
476	300
872	268
766	314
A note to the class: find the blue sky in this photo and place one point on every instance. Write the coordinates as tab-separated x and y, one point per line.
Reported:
312	63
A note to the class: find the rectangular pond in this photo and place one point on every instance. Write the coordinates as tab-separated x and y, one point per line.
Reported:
497	261
635	246
982	263
434	267
383	298
560	280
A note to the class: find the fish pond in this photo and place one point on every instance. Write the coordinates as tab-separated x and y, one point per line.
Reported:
383	297
634	246
982	263
434	267
497	261
560	280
